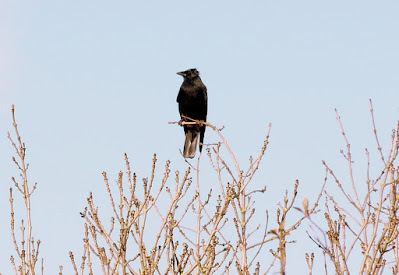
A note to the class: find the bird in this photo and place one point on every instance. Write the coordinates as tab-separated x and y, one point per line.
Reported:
193	103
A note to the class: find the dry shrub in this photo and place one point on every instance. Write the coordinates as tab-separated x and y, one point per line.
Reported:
365	224
171	226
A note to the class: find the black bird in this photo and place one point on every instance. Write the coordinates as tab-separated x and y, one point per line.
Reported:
193	103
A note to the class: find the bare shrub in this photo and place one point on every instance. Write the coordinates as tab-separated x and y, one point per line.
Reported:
166	224
176	244
367	220
27	249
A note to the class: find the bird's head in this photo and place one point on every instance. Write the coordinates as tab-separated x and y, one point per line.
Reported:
189	74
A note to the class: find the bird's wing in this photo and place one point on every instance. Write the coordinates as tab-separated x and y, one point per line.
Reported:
180	100
204	103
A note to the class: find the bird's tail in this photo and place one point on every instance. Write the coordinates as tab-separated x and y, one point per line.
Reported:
190	145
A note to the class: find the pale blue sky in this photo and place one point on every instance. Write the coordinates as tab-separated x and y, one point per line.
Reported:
92	80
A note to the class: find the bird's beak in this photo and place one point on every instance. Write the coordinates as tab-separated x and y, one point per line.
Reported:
181	73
